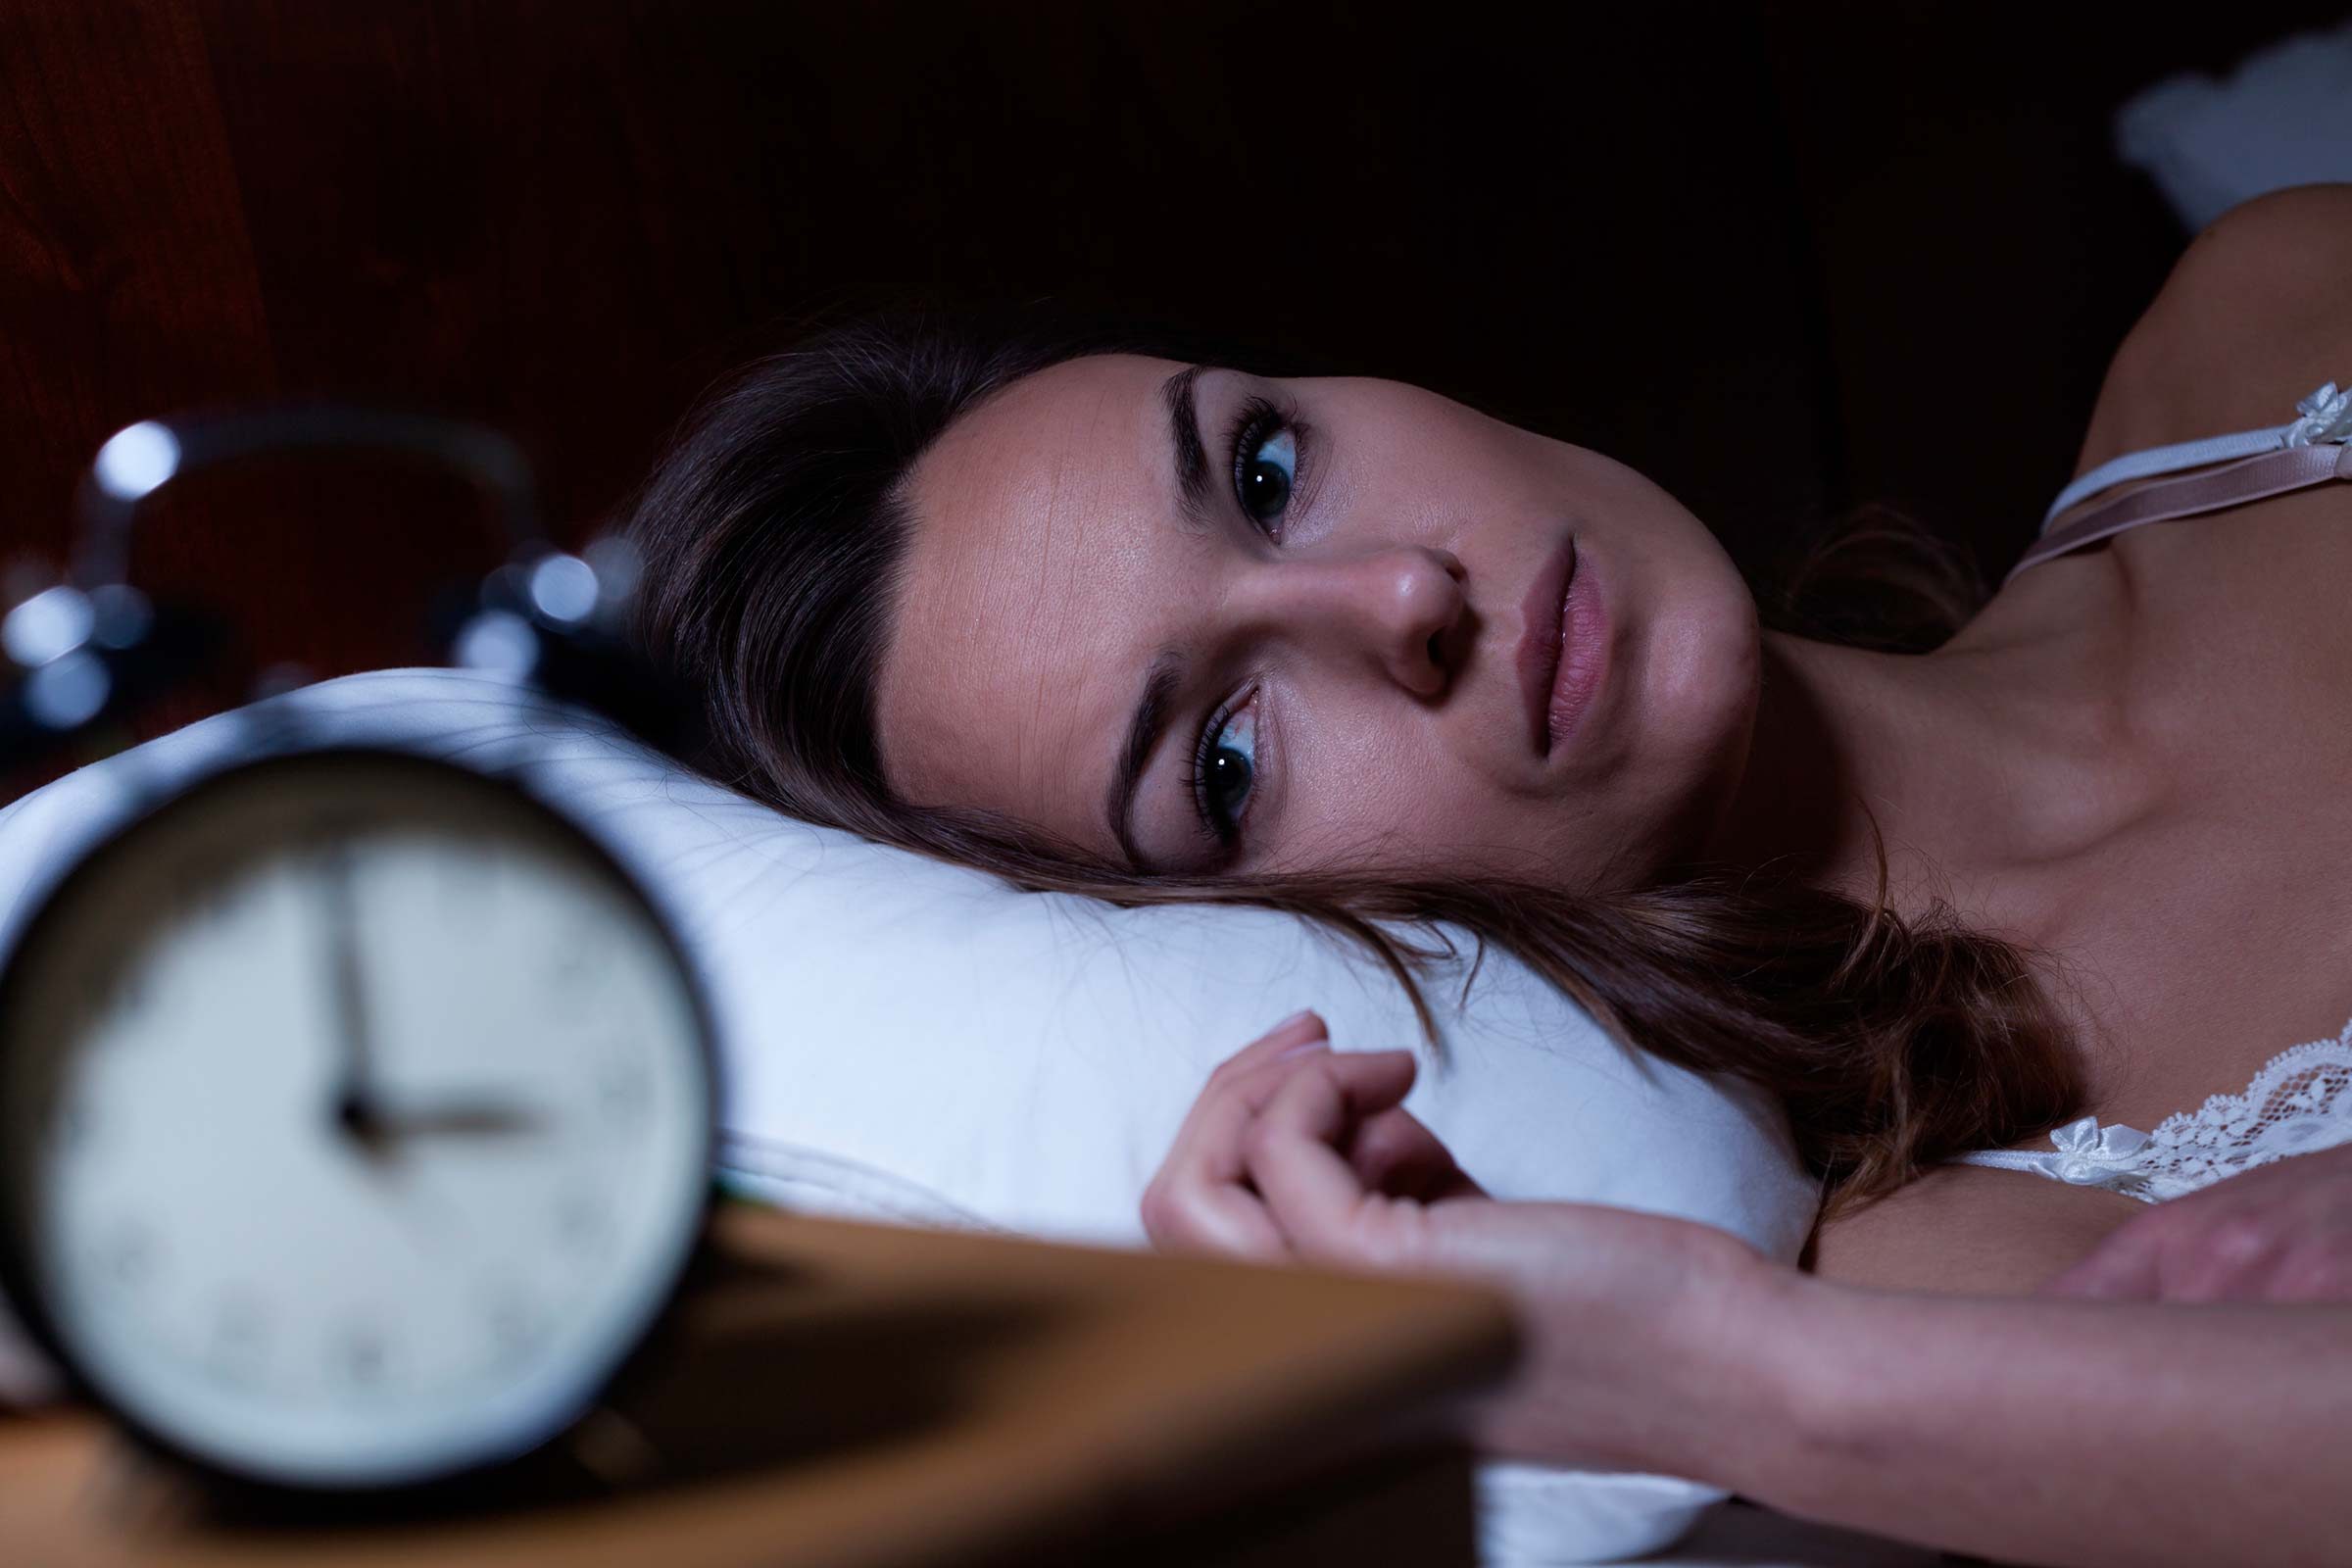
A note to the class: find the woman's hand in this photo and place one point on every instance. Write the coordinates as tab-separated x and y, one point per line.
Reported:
1202	1200
1629	1319
2279	1233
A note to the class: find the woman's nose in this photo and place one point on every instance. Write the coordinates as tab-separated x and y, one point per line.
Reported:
1399	607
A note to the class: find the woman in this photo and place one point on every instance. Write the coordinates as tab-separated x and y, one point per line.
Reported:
1101	619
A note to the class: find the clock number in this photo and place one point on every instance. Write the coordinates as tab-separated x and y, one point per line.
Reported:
362	1355
577	964
623	1093
129	1254
236	1351
76	1124
583	1224
517	1329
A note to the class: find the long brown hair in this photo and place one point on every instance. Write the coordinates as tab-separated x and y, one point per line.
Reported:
772	531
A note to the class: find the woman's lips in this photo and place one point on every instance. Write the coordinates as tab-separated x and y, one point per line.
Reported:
1538	660
1561	651
1584	653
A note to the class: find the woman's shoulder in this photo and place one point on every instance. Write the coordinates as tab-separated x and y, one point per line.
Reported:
2256	312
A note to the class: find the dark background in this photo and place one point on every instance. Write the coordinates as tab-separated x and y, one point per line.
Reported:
1782	259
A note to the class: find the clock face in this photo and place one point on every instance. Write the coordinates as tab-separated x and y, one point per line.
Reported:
356	1114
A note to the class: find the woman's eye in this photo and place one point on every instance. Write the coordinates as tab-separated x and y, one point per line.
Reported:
1265	463
1224	769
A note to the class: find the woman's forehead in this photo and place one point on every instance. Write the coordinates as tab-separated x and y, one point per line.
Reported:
1025	601
1053	448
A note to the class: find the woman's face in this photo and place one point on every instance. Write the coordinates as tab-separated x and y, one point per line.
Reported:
1334	648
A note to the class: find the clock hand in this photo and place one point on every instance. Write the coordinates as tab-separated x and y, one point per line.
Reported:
463	1118
355	1109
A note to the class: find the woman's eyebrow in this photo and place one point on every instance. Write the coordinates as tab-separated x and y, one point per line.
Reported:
1189	460
1191	464
1152	711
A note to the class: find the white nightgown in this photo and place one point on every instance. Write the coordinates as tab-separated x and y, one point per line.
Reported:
2301	1100
2300	1103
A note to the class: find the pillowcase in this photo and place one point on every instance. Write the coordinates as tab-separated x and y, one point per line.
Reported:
917	1042
2283	116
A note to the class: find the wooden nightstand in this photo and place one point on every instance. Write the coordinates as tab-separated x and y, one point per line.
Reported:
836	1394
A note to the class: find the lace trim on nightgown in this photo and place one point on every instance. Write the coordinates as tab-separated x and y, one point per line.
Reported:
2299	1104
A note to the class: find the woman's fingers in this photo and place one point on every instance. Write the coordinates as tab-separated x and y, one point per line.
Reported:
1298	1029
1394	1153
1210	1141
1198	1201
1205	1197
1314	1195
2280	1232
1220	1218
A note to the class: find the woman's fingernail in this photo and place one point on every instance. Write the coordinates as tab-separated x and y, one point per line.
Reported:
1292	1021
1301	1050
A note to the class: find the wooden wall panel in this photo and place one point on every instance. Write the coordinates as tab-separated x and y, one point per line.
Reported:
569	216
127	282
1984	250
1779	258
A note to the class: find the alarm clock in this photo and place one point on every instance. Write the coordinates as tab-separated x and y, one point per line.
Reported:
357	1108
356	1115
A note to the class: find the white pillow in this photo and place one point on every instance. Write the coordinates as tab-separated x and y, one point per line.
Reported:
2283	116
913	1041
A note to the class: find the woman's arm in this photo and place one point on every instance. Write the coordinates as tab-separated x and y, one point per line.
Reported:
2279	1232
2061	1433
2052	1432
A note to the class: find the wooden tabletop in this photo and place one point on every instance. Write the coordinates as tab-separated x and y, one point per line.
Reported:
846	1393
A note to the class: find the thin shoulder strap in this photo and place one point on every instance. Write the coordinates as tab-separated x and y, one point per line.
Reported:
2283	458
